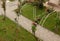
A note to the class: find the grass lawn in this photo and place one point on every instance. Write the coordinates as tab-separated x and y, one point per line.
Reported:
27	11
10	32
51	23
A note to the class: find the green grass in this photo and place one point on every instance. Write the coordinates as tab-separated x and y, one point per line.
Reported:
27	11
51	23
9	31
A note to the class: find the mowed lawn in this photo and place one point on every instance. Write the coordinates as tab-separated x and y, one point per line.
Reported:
10	31
29	12
51	23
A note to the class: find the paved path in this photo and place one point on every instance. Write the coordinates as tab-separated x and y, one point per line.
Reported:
41	32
